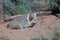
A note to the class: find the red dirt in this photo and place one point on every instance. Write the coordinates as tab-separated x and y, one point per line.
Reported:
43	27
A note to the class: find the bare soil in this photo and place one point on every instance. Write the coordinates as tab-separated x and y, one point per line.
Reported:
43	27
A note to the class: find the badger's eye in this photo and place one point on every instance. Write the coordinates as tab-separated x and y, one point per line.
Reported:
31	18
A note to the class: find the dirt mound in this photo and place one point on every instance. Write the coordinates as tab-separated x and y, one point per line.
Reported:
43	27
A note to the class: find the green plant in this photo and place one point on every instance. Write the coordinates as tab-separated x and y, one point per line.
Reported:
20	9
4	38
56	35
42	38
45	38
35	39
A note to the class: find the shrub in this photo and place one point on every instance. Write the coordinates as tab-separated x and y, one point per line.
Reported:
20	9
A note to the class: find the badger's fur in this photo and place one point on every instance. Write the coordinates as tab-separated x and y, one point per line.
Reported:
22	21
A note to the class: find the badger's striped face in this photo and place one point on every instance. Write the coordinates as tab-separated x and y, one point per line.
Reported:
30	17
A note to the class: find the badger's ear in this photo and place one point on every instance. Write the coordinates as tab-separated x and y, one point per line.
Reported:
35	15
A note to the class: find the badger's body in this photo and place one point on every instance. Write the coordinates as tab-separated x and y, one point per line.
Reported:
21	22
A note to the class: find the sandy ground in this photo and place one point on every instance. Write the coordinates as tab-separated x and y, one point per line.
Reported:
43	27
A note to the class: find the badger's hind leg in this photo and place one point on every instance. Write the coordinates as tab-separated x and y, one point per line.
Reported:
13	27
16	27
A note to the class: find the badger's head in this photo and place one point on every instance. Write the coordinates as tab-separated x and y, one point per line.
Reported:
31	17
